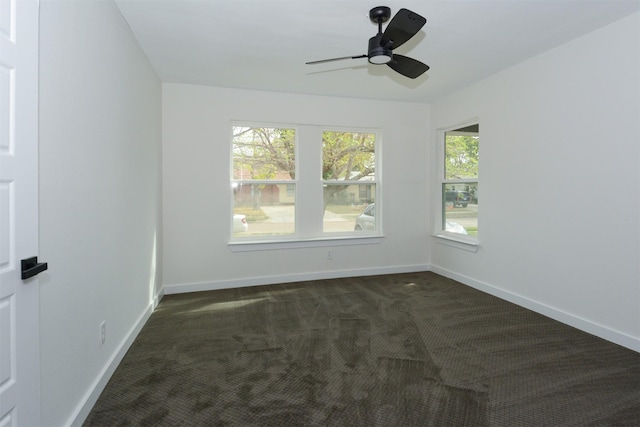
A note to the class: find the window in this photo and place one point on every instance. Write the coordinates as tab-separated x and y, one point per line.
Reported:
348	179
287	190
459	181
291	190
264	181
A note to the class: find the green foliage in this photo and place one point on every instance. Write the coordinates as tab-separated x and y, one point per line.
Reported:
269	154
347	155
461	157
263	153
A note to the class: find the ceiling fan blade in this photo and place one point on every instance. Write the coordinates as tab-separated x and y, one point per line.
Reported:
336	59
404	25
406	66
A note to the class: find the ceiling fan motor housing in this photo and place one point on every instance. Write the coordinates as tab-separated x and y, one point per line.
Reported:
378	54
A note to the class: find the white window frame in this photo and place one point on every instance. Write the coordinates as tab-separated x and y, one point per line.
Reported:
458	240
308	193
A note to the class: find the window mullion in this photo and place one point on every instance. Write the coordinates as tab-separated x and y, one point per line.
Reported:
309	189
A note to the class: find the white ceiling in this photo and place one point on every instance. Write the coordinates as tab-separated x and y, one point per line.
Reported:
264	44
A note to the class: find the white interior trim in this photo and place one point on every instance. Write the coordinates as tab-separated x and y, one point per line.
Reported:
580	323
83	409
257	245
457	242
288	278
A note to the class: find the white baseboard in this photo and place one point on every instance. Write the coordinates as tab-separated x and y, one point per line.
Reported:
288	278
158	298
91	397
585	325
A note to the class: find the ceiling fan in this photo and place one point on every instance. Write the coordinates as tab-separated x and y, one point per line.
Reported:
404	25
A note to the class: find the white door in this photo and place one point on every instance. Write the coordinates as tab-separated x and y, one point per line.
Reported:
19	311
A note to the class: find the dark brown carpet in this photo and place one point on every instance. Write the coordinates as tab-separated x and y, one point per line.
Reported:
397	350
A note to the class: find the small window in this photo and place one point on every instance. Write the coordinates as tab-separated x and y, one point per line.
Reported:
460	181
349	180
263	181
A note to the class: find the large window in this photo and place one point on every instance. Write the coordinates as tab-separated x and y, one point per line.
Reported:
288	189
460	181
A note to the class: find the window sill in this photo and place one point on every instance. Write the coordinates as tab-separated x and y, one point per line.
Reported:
257	245
457	242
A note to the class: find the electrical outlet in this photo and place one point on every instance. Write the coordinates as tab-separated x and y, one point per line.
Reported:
103	332
329	255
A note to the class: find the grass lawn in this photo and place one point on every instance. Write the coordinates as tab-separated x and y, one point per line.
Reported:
346	209
250	213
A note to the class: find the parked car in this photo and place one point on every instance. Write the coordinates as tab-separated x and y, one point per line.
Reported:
367	219
457	198
240	223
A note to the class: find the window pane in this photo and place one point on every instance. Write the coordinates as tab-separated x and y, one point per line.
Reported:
348	156
344	205
263	153
461	156
263	209
460	206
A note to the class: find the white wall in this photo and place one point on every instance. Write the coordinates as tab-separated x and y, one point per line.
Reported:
559	218
100	145
196	187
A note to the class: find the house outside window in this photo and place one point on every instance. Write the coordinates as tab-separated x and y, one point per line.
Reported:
459	181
